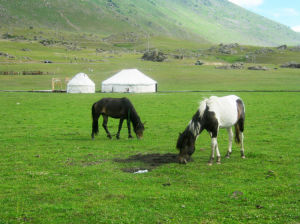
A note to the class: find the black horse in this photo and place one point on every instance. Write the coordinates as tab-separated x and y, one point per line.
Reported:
120	108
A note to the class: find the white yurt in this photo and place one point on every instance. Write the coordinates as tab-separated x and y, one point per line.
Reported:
129	81
81	83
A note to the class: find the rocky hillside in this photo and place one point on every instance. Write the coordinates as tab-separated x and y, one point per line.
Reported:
214	21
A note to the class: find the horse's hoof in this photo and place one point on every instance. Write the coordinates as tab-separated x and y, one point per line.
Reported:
228	155
209	164
243	157
218	163
130	137
109	136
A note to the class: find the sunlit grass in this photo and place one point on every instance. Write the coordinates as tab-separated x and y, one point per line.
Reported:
52	171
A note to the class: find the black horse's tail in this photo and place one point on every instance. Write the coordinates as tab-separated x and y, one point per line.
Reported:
95	129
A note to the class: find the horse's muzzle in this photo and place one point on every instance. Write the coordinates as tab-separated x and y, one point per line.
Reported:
139	136
183	159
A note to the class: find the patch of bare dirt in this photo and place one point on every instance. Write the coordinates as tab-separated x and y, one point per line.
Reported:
151	161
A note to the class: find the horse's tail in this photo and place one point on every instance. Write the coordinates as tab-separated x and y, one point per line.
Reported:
239	126
95	129
237	133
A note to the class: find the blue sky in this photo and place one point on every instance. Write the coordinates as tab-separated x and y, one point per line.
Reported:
286	12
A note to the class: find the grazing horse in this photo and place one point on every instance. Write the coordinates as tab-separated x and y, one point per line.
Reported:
212	114
120	108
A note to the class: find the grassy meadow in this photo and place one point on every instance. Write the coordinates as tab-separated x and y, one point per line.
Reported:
52	172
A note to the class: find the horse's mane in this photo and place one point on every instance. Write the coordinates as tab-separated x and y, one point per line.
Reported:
202	106
134	117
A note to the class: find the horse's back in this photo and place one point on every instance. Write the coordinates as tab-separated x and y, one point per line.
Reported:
113	107
225	109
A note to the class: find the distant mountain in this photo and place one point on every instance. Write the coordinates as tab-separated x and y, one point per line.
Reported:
215	21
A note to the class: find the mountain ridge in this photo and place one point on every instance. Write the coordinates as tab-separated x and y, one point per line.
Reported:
214	21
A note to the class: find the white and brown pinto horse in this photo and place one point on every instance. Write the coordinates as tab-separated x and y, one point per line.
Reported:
212	114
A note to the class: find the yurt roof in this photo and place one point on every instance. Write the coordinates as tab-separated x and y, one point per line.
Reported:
129	77
81	79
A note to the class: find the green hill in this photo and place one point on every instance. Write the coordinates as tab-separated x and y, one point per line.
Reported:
206	21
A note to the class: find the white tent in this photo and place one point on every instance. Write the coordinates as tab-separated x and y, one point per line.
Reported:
129	81
81	83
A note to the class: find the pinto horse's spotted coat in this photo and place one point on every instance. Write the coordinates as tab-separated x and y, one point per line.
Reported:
212	114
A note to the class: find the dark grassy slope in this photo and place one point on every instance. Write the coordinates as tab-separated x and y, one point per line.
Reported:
211	20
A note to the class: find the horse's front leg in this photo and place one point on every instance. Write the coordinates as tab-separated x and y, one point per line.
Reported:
104	125
230	137
213	146
218	153
129	128
120	127
217	150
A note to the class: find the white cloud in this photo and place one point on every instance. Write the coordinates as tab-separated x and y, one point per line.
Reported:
296	28
247	3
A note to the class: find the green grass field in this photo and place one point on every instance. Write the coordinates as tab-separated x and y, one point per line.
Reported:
52	172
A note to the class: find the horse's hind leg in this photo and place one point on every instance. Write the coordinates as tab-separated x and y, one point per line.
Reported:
241	135
230	137
242	145
104	125
120	127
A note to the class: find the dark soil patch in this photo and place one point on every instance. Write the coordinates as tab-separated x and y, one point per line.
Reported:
133	169
151	161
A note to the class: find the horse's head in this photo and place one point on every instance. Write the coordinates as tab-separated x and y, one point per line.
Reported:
139	130
186	146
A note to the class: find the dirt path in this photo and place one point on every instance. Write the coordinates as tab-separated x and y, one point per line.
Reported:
69	22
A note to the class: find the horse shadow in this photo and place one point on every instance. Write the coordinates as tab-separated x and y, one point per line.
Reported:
150	161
